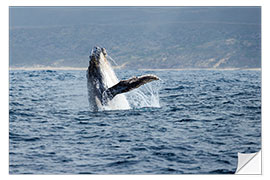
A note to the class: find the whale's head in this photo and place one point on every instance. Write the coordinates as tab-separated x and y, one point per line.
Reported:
98	56
100	69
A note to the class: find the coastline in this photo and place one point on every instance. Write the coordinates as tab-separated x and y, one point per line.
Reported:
47	68
206	69
116	67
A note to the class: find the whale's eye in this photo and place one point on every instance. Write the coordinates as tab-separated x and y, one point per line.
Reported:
92	57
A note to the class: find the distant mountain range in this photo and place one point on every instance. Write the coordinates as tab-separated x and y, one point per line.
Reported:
156	38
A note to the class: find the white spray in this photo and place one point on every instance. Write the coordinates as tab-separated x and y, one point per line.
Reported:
146	96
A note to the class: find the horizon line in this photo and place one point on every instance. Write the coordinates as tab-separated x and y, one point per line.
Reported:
142	69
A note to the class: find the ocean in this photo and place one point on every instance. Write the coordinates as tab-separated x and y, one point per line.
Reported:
189	122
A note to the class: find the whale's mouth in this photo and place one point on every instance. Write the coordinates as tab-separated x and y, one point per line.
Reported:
96	54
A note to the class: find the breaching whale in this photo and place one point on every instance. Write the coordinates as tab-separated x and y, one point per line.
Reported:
104	88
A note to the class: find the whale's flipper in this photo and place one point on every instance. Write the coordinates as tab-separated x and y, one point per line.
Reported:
128	85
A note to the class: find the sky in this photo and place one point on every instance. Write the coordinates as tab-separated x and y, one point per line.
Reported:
54	16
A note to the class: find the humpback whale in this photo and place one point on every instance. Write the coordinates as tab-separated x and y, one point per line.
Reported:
104	88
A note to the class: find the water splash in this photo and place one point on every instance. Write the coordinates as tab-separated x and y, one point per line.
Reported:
145	96
112	60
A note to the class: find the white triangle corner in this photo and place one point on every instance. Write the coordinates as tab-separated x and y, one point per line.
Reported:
249	163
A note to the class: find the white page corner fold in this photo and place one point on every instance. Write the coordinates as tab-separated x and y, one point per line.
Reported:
249	163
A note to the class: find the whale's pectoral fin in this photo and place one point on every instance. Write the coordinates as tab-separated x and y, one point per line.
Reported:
129	84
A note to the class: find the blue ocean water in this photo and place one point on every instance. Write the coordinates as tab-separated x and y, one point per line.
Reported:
205	118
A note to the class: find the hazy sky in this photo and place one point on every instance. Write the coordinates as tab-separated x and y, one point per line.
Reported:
52	16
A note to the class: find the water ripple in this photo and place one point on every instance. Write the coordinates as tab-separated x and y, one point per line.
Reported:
205	118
